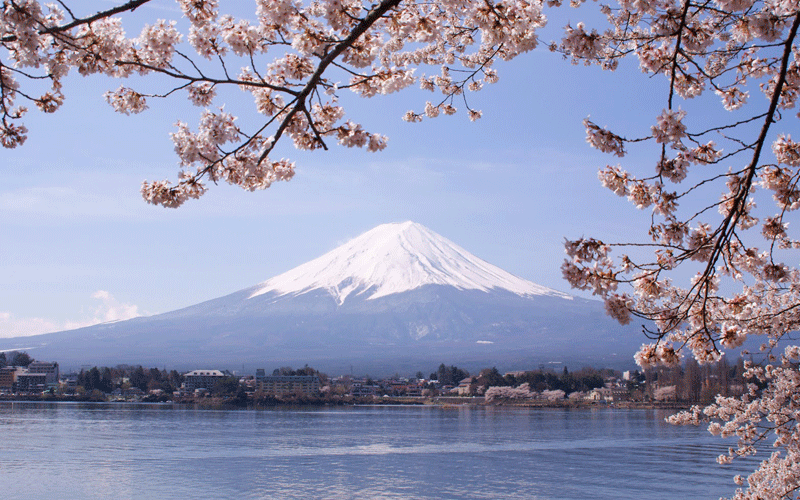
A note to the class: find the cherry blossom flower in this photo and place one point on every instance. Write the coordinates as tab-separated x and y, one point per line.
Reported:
669	129
126	101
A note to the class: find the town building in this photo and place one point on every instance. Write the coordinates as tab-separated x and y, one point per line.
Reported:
414	389
465	387
31	382
620	394
8	378
288	384
361	390
69	383
599	394
202	379
49	368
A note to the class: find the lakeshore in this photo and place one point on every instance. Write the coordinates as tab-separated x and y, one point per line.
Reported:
25	379
295	402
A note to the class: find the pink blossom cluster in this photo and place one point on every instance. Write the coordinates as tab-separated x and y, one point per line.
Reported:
495	393
745	290
602	139
583	46
669	127
295	58
501	393
127	101
553	394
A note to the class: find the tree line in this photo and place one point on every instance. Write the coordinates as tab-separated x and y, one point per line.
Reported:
106	379
15	358
696	383
542	379
539	380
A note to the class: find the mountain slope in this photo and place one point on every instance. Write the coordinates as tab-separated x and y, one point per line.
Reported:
399	296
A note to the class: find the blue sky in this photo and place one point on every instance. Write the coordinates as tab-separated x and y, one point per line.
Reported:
79	245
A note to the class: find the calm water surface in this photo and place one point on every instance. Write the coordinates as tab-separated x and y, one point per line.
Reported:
130	451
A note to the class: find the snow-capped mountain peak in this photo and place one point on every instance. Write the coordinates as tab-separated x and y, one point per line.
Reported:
394	258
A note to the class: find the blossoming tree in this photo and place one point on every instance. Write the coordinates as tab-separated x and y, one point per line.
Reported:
295	58
742	289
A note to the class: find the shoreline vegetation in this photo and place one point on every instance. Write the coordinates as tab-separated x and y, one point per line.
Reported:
213	403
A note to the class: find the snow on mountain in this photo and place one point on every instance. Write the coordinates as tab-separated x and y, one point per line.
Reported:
395	258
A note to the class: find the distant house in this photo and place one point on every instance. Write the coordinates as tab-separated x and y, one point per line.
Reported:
69	383
620	394
132	393
599	394
396	387
414	389
464	387
202	379
360	390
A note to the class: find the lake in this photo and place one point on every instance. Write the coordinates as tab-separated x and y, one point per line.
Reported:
140	451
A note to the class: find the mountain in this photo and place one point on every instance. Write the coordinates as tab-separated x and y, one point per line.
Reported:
397	258
399	297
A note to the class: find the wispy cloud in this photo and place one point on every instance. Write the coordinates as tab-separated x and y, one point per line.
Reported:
11	326
65	202
108	309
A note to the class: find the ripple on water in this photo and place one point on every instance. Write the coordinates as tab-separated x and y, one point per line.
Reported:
141	451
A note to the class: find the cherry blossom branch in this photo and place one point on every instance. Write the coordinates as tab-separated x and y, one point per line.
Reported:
129	6
374	15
